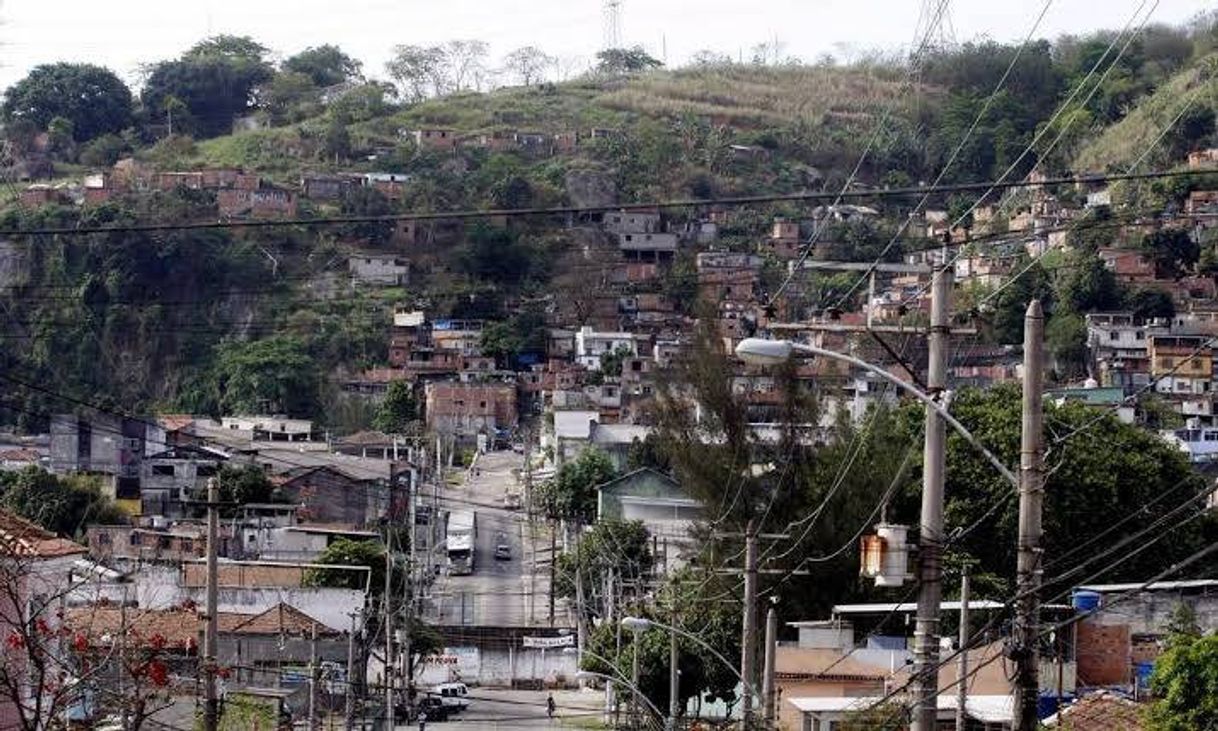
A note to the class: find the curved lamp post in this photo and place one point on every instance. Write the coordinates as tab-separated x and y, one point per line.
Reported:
639	624
760	351
585	674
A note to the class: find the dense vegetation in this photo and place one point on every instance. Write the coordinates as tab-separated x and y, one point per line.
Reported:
211	321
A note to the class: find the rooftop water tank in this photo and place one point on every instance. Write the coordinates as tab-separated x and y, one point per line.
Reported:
1085	601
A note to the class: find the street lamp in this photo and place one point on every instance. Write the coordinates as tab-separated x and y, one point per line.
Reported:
588	674
760	351
639	624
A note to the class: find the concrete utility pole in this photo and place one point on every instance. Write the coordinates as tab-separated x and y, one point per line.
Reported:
748	642
962	685
211	709
313	725
1031	504
768	686
674	674
349	709
389	661
930	543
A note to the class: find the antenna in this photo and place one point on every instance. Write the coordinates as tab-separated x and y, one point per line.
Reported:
613	24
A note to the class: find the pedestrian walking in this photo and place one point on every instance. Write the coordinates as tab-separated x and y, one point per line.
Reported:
422	721
550	705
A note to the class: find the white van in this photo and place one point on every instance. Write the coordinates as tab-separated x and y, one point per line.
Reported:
453	695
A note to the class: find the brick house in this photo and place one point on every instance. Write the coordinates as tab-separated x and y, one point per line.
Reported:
784	239
1199	159
434	139
1129	267
325	187
467	409
266	202
40	194
172	181
327	494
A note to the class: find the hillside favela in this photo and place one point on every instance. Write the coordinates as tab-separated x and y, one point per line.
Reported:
608	364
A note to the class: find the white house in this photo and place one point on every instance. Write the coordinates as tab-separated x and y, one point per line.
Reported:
590	345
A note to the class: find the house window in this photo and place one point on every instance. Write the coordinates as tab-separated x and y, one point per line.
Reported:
1139	335
135	539
165	470
205	470
482	404
1114	335
1168	363
163	542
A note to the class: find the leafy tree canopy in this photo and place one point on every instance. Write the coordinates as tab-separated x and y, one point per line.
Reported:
244	485
399	411
622	549
1185	683
571	494
214	81
275	374
325	65
92	98
65	506
625	60
347	552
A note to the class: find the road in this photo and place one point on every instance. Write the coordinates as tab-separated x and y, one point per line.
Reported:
500	593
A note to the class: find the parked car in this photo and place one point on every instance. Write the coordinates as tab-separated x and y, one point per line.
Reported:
503	549
512	501
432	705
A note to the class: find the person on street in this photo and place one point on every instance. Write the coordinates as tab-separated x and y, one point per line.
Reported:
422	721
550	706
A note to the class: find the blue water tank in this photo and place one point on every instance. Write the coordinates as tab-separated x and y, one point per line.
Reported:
1085	601
1142	671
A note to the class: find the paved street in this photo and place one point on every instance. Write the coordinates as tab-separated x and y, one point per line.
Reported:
500	592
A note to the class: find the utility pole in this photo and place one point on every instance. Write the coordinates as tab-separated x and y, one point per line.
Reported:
962	681
211	709
349	709
1031	504
748	649
553	560
768	686
674	673
930	542
313	678
389	661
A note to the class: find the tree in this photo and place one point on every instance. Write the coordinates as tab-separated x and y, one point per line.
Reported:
709	59
528	64
419	71
466	62
1066	340
215	81
1085	284
65	506
501	341
1146	304
611	363
625	61
399	412
1173	250
325	65
365	201
1185	684
275	374
617	548
1098	468
348	552
244	485
289	97
495	254
60	142
104	151
571	493
92	98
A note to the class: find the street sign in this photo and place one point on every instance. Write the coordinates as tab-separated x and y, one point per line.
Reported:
546	642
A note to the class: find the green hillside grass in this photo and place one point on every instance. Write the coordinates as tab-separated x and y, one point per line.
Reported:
1117	146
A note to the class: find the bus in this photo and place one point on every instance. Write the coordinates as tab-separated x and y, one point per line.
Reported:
461	534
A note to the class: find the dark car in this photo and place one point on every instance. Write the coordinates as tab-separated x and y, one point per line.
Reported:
429	704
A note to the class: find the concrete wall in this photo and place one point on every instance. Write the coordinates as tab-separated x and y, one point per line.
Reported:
498	666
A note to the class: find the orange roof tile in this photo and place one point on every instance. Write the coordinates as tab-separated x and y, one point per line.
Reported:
1102	711
281	619
21	538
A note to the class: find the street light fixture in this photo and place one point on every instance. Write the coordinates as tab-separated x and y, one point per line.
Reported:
589	674
760	351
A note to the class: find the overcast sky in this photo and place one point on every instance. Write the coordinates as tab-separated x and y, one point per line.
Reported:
123	34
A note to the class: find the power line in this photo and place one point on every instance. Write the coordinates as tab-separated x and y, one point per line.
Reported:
576	210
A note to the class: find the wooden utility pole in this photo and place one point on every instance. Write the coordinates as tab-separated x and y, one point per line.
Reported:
962	681
211	708
748	641
1031	505
553	561
930	541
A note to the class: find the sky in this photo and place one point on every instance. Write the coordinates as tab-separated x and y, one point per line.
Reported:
126	34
